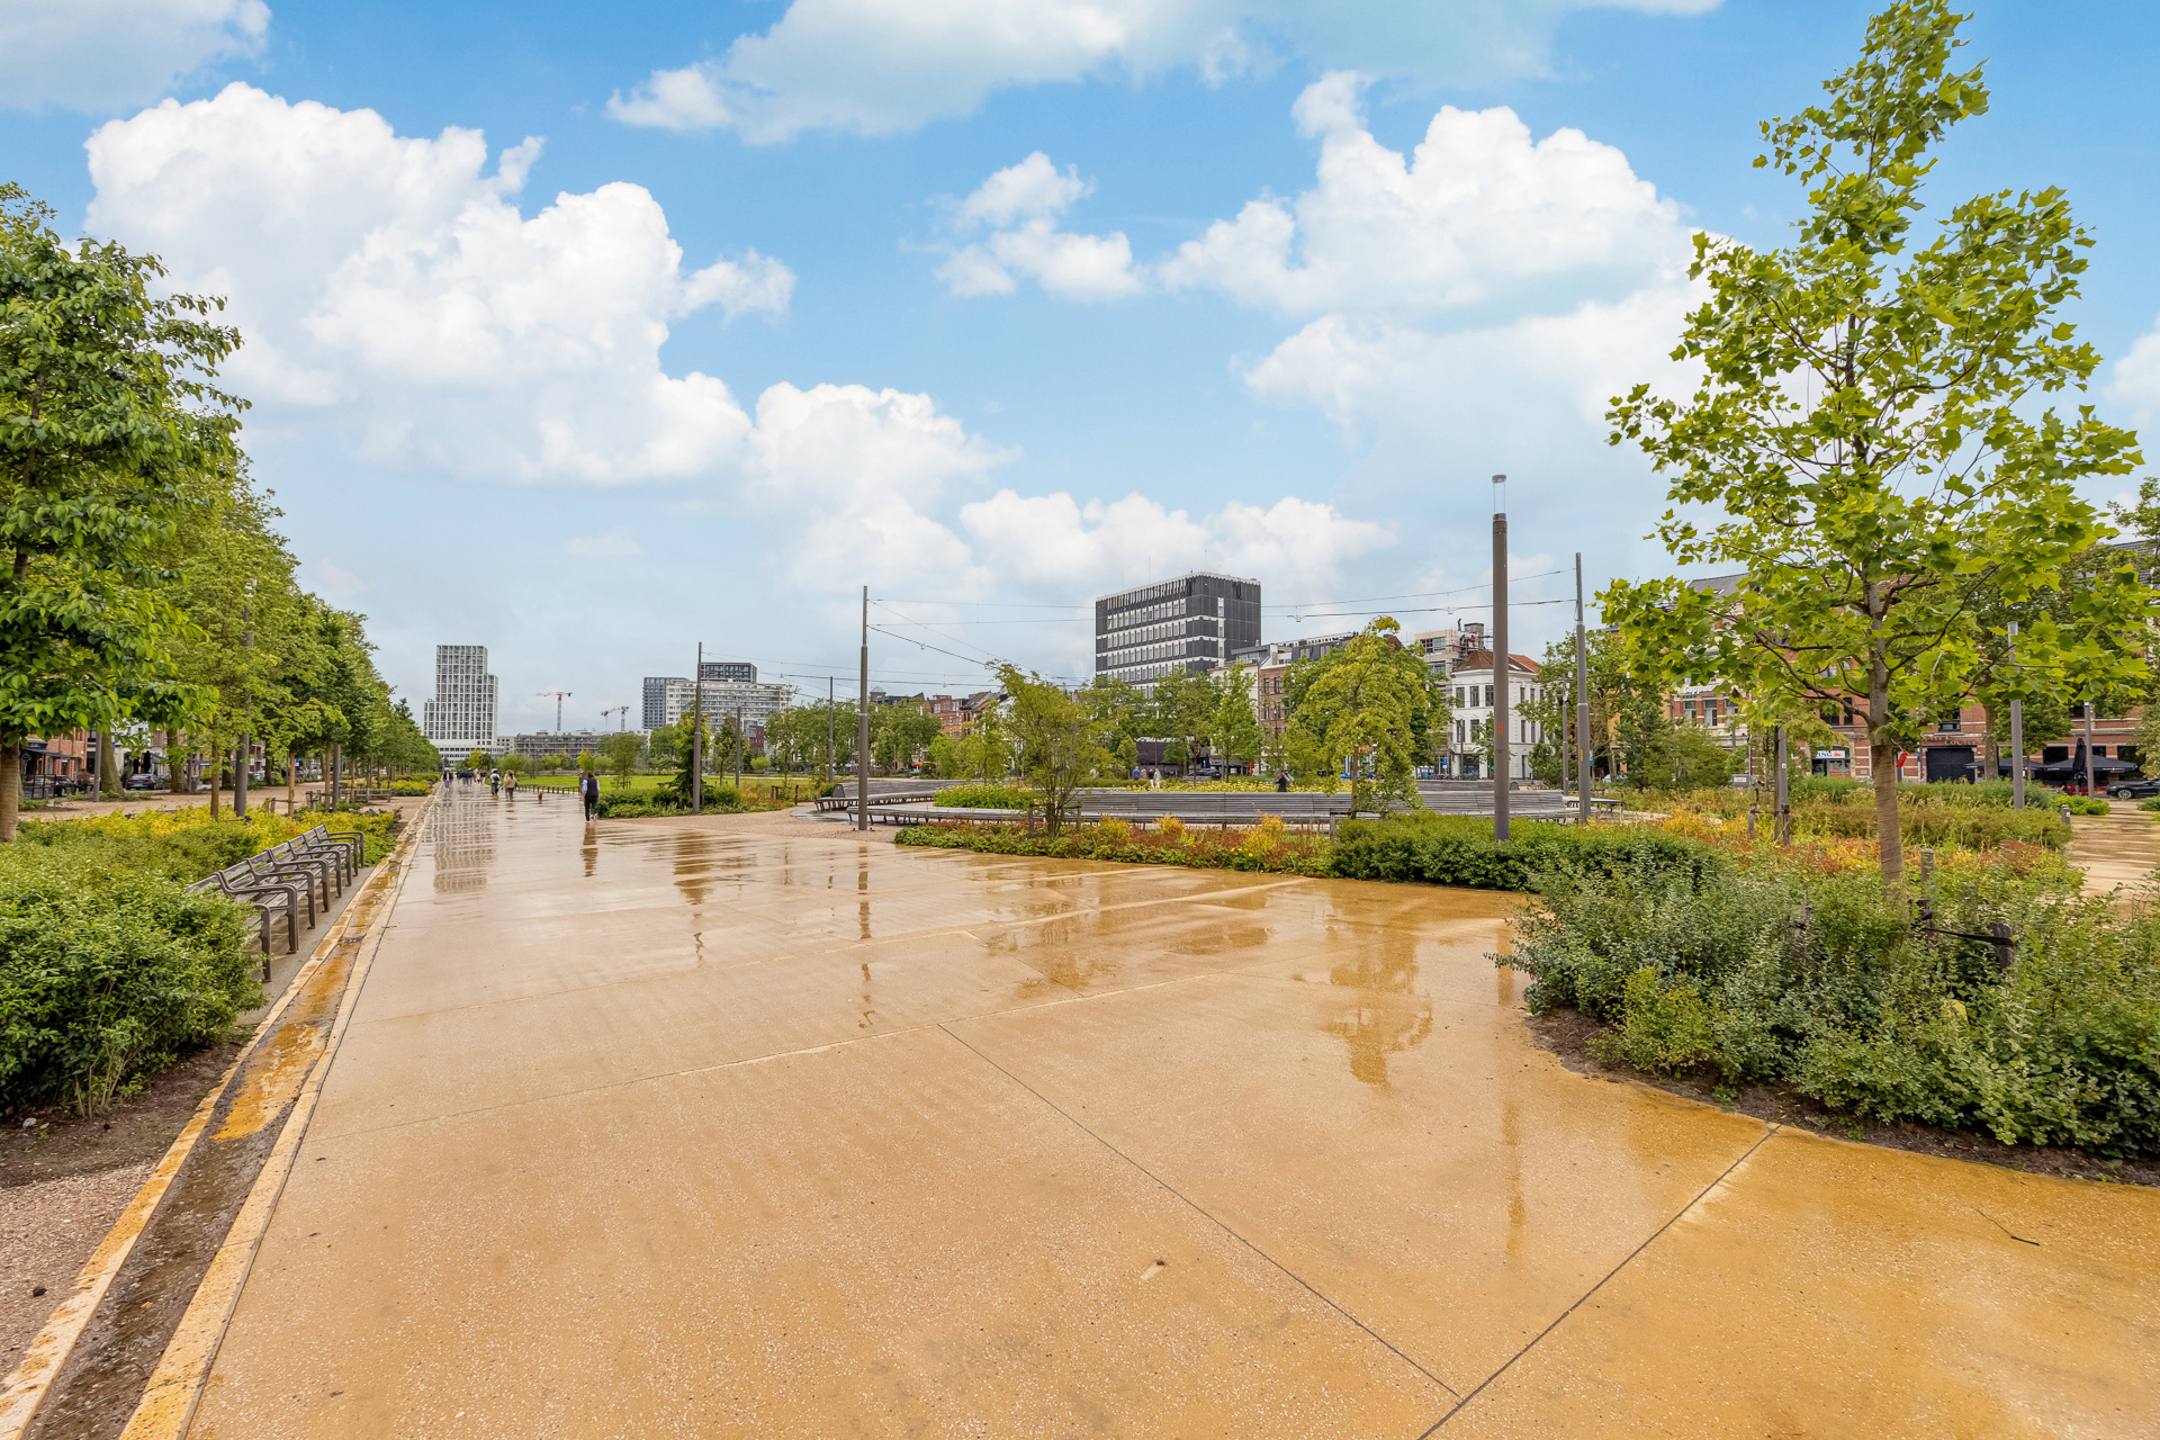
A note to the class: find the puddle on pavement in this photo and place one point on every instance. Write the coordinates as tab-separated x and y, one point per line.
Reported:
1387	1016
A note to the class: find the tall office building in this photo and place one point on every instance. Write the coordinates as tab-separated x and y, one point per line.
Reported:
657	688
667	696
461	717
1194	622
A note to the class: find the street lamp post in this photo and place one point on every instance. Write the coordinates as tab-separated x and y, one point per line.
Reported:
1502	670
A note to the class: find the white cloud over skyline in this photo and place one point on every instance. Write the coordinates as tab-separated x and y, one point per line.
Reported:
392	293
100	55
395	280
879	67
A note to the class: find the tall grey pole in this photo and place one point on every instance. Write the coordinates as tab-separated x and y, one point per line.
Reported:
738	747
697	735
240	767
2017	737
1503	672
1784	793
2088	748
1582	699
832	732
862	725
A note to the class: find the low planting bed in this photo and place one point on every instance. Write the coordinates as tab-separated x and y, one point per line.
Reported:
1263	847
1875	1005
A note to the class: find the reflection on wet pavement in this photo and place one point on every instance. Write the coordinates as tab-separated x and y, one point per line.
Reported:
720	1128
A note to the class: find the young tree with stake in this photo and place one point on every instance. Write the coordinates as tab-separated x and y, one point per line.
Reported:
1867	426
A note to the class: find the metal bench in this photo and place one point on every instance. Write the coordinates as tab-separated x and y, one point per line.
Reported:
278	881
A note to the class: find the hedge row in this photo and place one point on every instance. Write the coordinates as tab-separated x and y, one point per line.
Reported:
101	984
1206	850
1460	850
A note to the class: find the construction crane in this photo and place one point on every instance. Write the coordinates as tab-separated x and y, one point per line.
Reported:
615	710
560	696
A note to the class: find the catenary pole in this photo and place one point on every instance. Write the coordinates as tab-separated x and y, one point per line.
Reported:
862	725
2017	737
1582	700
697	734
240	764
832	732
1503	672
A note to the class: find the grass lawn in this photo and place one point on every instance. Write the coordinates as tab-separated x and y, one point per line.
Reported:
761	786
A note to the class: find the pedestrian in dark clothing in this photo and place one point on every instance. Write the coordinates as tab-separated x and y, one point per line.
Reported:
589	787
1282	784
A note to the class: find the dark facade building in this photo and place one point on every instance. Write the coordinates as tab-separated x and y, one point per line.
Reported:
1195	622
655	713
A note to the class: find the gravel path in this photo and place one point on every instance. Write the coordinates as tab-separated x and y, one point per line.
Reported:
47	1231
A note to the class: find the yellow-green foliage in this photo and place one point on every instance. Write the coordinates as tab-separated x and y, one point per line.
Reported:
1113	829
1663	1028
1170	827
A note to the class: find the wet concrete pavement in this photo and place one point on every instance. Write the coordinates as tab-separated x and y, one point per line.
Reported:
723	1128
2118	850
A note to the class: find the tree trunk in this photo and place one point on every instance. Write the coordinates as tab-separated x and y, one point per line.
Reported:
108	767
213	786
1883	756
10	789
292	777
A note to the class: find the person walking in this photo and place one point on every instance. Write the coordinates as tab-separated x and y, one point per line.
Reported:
510	783
494	782
589	788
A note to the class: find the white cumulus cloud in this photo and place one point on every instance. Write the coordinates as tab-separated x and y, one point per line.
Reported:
1022	203
876	67
99	55
397	280
2135	383
1479	214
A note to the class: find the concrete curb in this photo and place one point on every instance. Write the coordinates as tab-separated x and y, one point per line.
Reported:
167	1407
47	1354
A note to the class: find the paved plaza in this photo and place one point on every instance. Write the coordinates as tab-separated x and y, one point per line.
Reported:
746	1127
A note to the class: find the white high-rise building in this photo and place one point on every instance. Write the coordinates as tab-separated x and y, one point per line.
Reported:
461	717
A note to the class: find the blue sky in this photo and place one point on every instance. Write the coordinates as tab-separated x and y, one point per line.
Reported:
781	302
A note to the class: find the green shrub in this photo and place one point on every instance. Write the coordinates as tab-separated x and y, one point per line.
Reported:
1118	842
987	797
1860	1008
718	800
2084	804
103	982
1460	850
1663	1027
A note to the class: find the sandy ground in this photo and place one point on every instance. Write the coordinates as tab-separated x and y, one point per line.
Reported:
46	1232
747	1126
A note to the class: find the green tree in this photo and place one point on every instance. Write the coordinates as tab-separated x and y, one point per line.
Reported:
622	756
1235	728
1058	748
1365	710
106	411
1180	709
985	752
480	760
1868	425
515	764
585	760
899	734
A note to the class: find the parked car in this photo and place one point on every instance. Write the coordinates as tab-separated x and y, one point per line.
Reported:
2138	789
142	782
